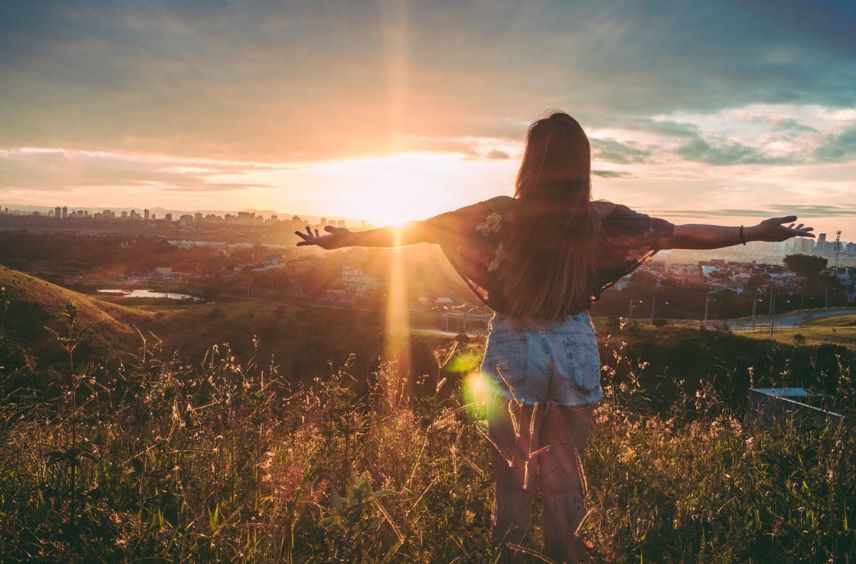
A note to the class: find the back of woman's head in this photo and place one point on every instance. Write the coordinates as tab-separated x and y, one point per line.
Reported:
550	252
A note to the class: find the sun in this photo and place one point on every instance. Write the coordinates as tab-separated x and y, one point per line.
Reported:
394	189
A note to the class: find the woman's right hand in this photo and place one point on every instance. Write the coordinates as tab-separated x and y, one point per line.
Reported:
773	230
336	238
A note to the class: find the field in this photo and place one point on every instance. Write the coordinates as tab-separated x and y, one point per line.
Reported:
840	330
225	456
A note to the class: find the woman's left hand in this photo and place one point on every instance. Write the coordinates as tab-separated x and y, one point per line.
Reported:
774	230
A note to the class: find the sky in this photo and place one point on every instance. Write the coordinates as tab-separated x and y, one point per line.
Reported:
701	112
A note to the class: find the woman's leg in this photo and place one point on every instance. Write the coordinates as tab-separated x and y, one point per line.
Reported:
516	477
564	431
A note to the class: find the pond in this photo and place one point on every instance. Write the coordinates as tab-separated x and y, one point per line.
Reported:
148	294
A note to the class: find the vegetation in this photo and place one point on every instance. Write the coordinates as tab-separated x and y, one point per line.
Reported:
805	265
227	459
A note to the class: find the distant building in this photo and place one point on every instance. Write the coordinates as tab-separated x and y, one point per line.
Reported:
57	212
64	212
146	215
357	283
340	223
822	247
167	217
185	220
246	218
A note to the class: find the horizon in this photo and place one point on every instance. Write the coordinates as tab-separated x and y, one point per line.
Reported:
694	114
668	254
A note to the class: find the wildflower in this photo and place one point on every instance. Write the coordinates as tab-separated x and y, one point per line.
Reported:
628	455
469	517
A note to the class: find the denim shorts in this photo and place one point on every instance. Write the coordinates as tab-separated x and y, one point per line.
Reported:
555	362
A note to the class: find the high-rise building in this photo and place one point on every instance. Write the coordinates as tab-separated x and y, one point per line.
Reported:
822	245
167	217
64	212
57	212
801	245
146	215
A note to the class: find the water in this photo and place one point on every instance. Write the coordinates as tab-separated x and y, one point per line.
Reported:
149	294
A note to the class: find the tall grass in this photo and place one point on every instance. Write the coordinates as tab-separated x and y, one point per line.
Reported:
161	459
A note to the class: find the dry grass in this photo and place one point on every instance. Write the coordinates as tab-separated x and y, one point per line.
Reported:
224	460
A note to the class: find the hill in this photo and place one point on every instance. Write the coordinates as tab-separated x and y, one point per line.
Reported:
28	305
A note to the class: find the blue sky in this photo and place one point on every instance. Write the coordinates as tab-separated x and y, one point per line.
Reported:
724	110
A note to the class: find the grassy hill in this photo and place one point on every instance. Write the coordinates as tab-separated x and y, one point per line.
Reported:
304	340
29	304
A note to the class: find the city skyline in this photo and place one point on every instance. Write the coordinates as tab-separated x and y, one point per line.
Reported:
696	112
824	245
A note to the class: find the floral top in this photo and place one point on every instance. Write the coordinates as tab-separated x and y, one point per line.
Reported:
472	238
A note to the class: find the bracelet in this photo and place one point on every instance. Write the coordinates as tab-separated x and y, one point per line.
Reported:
742	238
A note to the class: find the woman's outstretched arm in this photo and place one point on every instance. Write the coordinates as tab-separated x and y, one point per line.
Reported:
700	236
392	236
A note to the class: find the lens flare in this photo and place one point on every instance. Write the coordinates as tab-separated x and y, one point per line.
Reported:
397	345
478	391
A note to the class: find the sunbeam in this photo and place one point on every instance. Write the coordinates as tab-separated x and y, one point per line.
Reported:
397	345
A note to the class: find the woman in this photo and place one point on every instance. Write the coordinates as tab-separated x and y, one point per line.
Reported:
539	260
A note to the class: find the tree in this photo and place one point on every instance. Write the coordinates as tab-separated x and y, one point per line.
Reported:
805	265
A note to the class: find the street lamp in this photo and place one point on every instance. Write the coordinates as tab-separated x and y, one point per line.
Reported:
630	308
706	305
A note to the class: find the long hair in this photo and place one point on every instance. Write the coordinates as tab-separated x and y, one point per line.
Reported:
550	251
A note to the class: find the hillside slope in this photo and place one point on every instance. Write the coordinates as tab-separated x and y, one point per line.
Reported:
29	304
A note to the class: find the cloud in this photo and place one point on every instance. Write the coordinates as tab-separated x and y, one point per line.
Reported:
610	173
663	127
497	154
838	148
298	81
618	152
773	210
726	153
792	125
57	169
